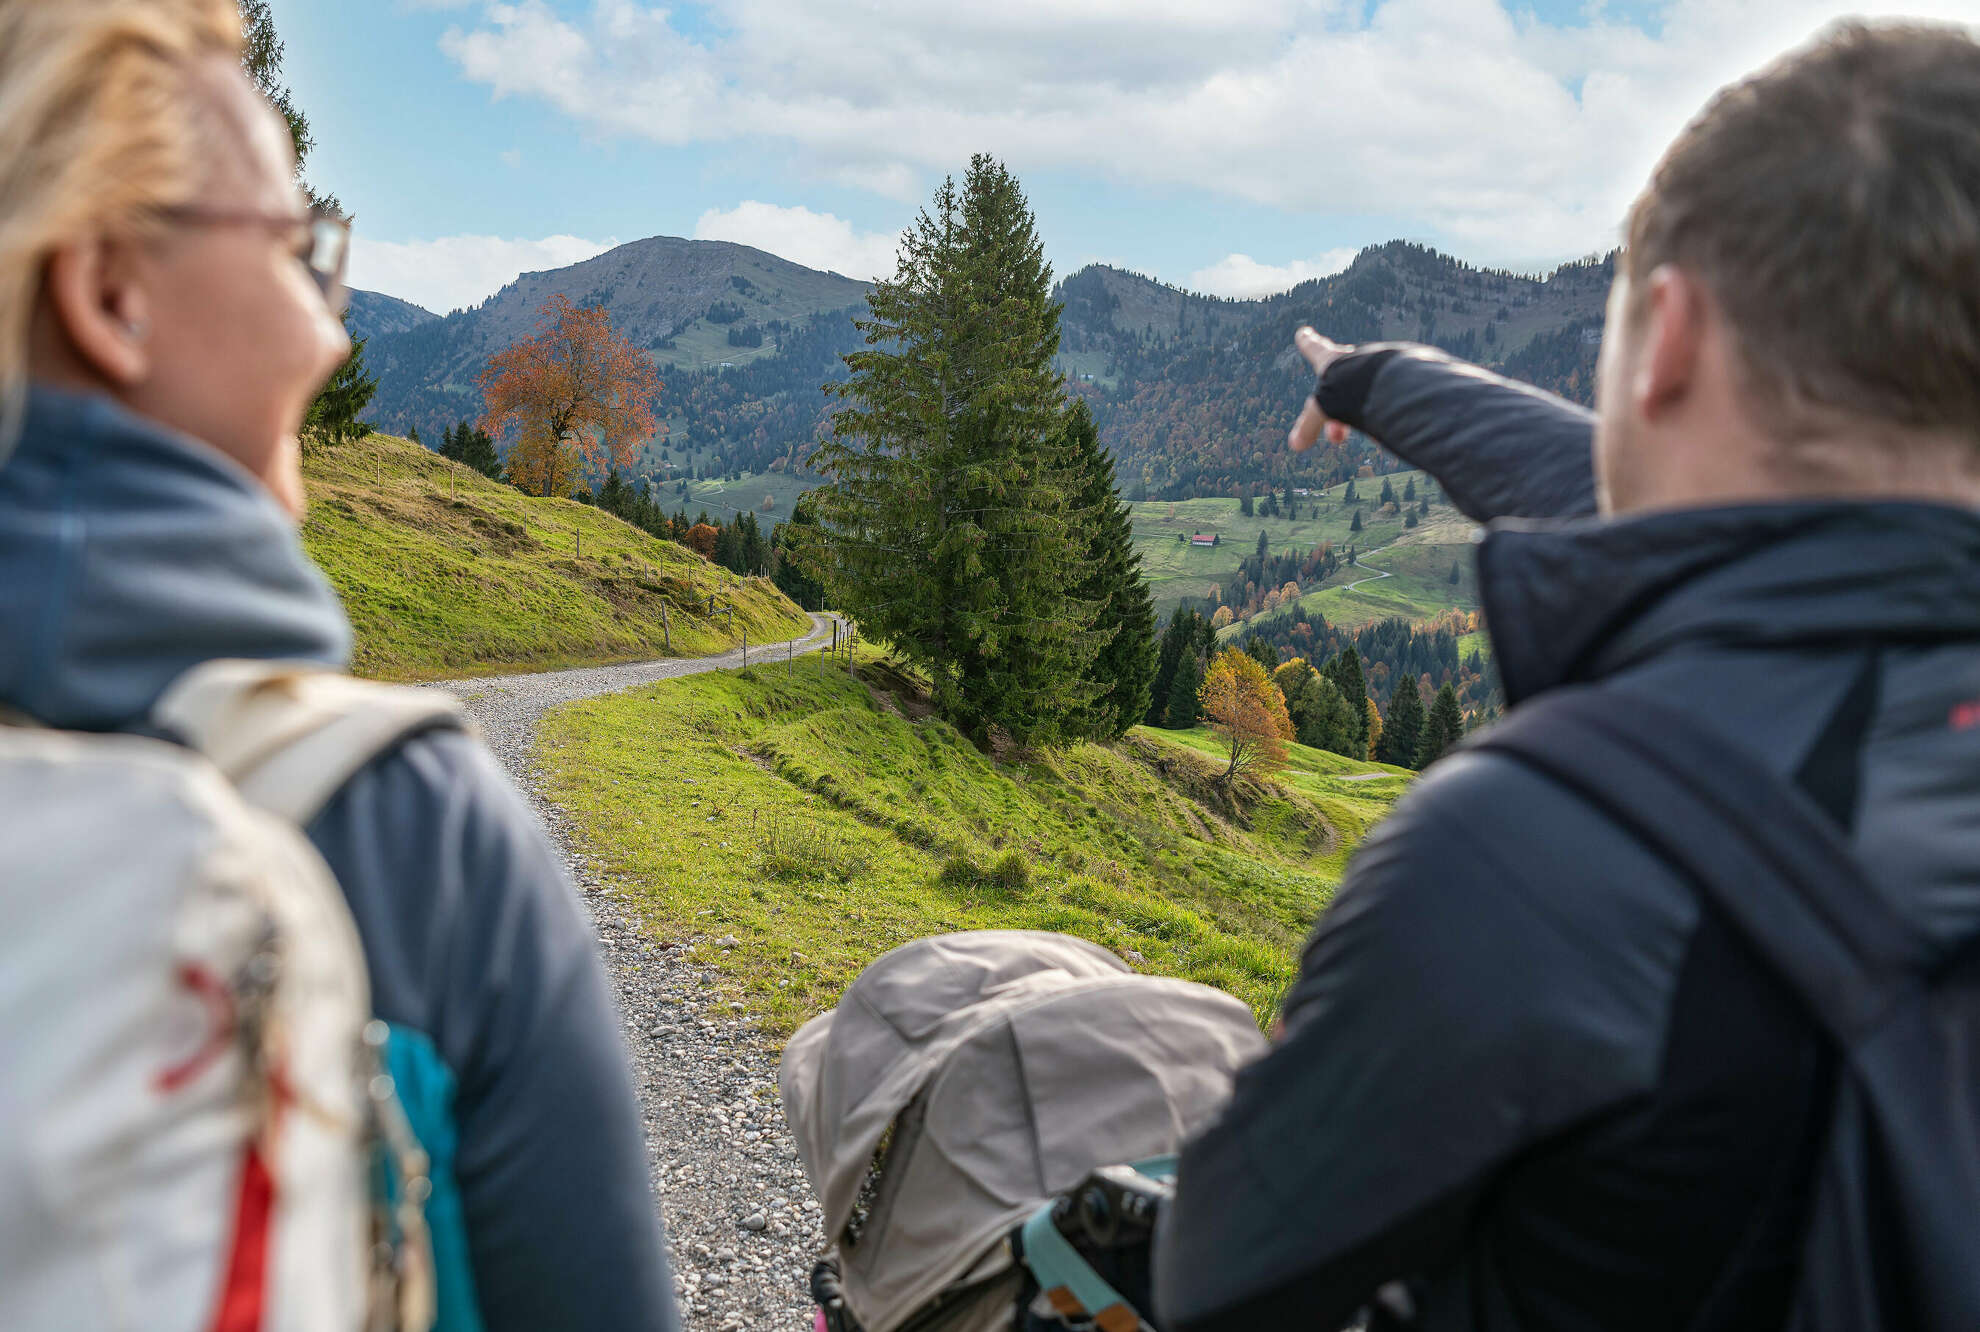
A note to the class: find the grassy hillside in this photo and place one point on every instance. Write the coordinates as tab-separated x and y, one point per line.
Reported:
822	819
444	572
1420	558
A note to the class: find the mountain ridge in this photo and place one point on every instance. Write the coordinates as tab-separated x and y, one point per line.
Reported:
1191	391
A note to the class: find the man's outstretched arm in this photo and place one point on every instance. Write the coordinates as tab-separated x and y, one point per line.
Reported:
1499	448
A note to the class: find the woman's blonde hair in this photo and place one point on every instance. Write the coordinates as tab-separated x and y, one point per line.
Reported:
98	128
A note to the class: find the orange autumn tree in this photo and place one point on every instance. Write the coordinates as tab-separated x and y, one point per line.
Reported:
576	393
1247	709
701	539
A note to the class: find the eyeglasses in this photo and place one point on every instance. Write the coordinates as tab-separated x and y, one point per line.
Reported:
319	238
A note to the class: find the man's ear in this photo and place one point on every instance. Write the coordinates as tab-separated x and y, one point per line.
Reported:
1673	336
101	308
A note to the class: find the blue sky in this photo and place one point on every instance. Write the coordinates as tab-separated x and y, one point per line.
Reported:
1228	145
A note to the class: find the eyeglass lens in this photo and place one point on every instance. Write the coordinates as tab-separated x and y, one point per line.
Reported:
329	243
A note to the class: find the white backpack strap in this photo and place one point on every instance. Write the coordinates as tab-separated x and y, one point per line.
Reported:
289	735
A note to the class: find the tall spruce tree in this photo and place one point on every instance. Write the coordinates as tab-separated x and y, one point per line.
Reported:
1185	703
949	526
789	572
1178	638
261	56
1444	728
1402	725
1125	664
1345	671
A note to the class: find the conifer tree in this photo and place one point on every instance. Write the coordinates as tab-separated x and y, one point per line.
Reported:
1124	665
1355	526
949	525
1372	719
1444	728
1331	723
1185	707
788	570
471	448
332	418
1177	639
1402	727
1320	716
1345	671
261	57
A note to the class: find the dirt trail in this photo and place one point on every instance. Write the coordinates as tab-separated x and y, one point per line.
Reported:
739	1215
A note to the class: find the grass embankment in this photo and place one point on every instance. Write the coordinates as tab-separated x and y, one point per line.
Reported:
822	822
458	575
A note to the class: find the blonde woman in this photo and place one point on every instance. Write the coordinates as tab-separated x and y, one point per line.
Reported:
168	306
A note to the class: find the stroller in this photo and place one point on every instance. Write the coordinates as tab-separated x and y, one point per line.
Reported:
987	1120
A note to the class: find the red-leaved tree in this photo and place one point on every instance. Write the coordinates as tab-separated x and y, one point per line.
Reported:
575	393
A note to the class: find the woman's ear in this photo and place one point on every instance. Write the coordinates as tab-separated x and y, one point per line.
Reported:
101	308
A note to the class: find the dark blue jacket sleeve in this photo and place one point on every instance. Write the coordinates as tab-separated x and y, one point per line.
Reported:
474	936
1446	1017
1499	448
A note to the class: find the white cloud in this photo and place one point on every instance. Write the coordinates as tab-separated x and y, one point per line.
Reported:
1501	136
1242	276
816	240
452	272
512	157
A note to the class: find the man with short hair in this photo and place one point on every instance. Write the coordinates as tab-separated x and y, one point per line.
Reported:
1526	1070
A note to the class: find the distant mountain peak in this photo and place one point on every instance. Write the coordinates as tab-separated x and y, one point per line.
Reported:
372	313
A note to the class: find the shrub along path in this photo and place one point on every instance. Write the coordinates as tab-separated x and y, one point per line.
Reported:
737	1209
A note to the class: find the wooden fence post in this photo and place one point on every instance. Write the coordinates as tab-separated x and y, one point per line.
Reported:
667	628
745	664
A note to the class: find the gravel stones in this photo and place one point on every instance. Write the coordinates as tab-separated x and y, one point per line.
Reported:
740	1218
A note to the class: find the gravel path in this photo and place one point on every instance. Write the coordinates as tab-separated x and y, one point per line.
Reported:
740	1216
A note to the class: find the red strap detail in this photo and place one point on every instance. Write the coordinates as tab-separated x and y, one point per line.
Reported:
245	1296
219	1007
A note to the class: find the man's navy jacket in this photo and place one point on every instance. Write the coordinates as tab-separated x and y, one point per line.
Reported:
1523	1067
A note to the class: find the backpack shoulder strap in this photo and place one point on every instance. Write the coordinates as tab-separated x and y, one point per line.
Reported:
1752	844
289	735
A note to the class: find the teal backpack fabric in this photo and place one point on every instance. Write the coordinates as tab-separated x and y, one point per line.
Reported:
426	1090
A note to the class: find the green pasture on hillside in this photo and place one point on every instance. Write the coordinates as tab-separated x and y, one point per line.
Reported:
1418	586
823	819
444	572
1175	569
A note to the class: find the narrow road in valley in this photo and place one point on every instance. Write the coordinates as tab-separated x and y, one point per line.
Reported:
739	1214
1380	574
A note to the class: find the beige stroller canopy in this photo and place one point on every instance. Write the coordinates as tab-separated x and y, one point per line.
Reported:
997	1069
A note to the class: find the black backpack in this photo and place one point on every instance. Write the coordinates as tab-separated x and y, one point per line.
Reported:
1893	1235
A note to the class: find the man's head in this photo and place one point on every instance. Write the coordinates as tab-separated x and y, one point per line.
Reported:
151	244
1797	311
